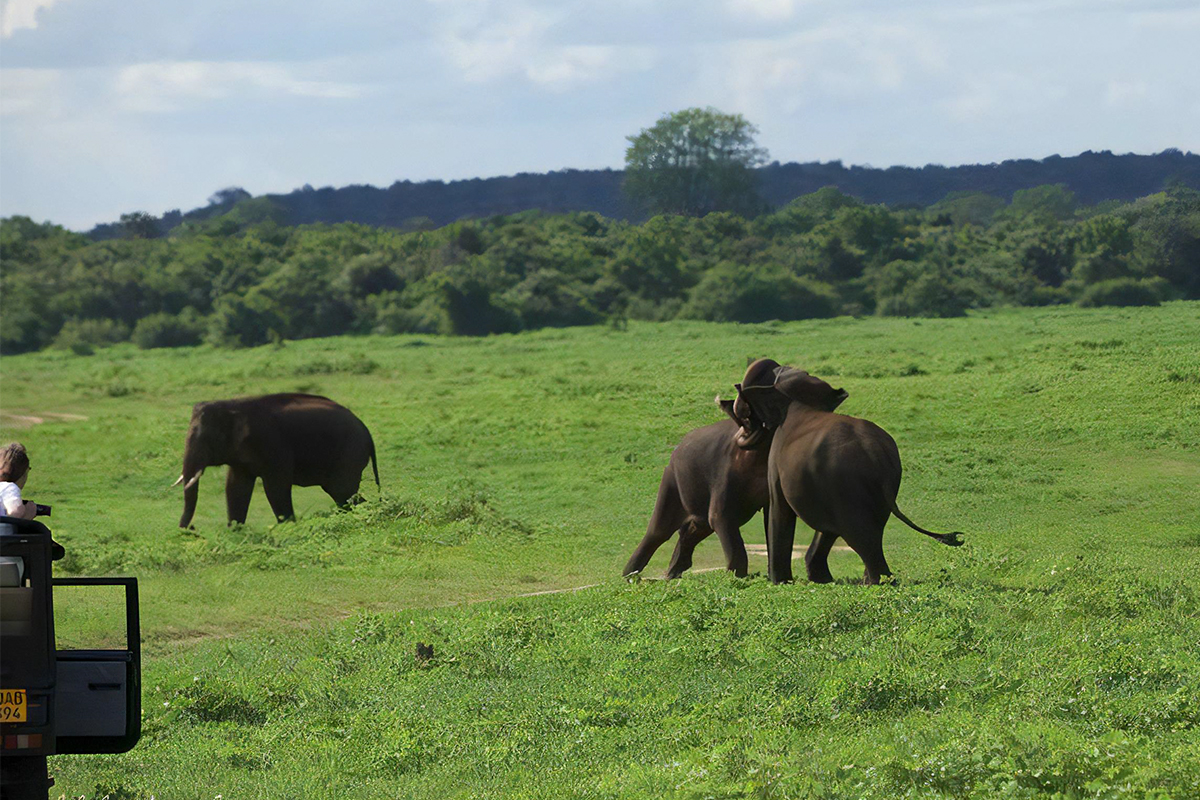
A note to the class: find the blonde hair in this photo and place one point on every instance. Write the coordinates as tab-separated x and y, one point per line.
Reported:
14	462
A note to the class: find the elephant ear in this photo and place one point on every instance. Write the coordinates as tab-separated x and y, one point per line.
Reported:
768	405
241	429
798	385
727	407
223	428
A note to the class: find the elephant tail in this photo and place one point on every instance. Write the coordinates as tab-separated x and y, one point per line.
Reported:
374	464
945	538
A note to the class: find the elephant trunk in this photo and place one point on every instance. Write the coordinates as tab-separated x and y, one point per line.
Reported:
741	408
190	494
193	467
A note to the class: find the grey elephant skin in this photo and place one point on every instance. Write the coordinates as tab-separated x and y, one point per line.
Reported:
839	474
285	439
716	480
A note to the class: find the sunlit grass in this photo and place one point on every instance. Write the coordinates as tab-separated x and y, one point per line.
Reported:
1056	652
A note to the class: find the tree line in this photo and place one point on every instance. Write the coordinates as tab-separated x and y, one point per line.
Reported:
1093	176
245	278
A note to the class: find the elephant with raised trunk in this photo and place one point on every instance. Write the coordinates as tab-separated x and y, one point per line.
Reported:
838	474
716	480
285	439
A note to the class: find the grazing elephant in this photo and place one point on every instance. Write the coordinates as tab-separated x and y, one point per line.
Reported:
716	480
839	474
285	439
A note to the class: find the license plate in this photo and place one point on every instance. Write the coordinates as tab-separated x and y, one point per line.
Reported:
13	705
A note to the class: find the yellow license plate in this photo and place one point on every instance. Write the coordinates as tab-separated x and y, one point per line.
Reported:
13	705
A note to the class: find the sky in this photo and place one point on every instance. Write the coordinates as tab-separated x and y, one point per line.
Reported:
114	106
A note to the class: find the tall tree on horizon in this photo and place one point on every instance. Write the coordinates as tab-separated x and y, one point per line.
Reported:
693	162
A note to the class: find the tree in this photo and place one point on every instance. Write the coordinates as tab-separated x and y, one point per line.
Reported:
694	162
139	225
1043	204
228	196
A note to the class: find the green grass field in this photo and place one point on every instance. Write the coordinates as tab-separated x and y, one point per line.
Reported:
1058	653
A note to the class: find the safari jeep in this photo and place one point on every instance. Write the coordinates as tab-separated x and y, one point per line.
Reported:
57	701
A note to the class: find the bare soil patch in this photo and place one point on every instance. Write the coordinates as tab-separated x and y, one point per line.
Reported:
23	421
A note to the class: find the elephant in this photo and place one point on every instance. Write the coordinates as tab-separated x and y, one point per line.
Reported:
285	439
716	480
839	474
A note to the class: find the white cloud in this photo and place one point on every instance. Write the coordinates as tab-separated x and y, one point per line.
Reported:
1002	96
489	43
771	10
854	58
29	92
486	49
157	87
18	14
562	67
1126	92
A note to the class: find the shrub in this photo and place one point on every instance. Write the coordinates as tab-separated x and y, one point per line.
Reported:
82	336
912	289
391	315
243	321
471	308
745	293
369	274
169	330
25	321
1124	292
548	298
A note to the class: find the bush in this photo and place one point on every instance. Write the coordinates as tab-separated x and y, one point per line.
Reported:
301	298
168	330
471	308
243	321
911	289
370	274
548	299
744	293
1124	292
391	315
82	336
25	322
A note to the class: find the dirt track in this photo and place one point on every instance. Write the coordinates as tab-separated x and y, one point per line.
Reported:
22	421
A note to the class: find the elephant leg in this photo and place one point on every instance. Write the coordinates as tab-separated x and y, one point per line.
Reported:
730	537
816	558
766	514
654	538
869	546
342	489
279	495
667	518
239	487
780	537
690	535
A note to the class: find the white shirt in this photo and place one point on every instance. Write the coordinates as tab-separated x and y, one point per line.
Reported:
10	503
10	497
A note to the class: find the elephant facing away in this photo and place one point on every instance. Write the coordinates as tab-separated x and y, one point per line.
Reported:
285	439
716	480
839	474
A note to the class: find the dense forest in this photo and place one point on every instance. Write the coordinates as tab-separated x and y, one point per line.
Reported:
247	276
1093	177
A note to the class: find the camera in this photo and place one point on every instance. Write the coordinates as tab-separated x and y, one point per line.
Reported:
41	510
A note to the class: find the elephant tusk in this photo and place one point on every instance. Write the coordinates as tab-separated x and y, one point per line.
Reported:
176	483
194	479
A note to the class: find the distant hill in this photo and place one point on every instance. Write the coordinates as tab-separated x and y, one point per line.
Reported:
1094	177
